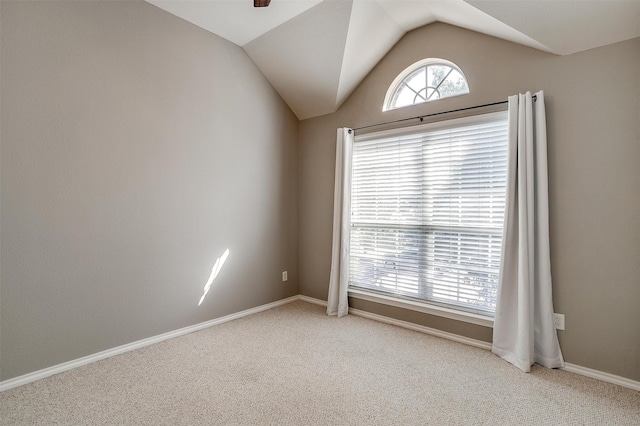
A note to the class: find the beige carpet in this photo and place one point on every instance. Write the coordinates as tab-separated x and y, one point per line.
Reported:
294	365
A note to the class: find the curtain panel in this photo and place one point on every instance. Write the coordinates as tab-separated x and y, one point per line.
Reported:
337	302
524	331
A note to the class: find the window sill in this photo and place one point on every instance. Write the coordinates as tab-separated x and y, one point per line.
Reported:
422	307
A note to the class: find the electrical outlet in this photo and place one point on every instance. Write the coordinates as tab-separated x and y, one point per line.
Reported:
284	276
558	320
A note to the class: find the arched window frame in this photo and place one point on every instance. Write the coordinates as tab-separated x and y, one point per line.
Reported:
398	82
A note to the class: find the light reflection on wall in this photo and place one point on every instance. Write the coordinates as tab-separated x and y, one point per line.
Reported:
214	273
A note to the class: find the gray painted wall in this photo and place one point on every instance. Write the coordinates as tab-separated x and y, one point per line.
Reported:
135	149
593	116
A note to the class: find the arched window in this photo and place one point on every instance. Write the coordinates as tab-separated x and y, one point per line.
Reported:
426	80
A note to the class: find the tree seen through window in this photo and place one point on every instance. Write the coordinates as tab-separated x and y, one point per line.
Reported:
425	81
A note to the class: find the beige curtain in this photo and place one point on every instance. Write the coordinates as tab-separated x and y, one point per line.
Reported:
337	303
524	331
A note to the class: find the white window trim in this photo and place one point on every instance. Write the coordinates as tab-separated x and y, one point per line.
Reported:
444	124
420	306
410	69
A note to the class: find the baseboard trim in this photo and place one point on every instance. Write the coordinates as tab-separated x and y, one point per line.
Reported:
602	376
572	368
423	329
312	300
50	371
69	365
405	324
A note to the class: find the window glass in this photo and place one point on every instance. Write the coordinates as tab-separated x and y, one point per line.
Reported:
426	81
427	211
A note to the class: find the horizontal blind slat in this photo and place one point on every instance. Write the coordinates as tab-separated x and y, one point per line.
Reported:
427	214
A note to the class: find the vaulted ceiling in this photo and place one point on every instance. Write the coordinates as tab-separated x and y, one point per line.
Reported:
316	52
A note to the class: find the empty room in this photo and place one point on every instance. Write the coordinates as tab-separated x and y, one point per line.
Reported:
373	212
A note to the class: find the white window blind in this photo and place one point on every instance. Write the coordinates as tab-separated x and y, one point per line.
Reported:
427	209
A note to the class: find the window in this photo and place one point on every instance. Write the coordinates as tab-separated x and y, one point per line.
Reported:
427	207
425	81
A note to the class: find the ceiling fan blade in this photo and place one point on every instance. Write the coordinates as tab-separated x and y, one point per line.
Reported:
261	3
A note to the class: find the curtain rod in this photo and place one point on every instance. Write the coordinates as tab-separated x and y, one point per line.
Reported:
421	117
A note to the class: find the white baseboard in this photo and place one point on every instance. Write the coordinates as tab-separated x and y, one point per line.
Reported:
572	368
423	329
406	324
313	300
600	375
46	372
49	371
